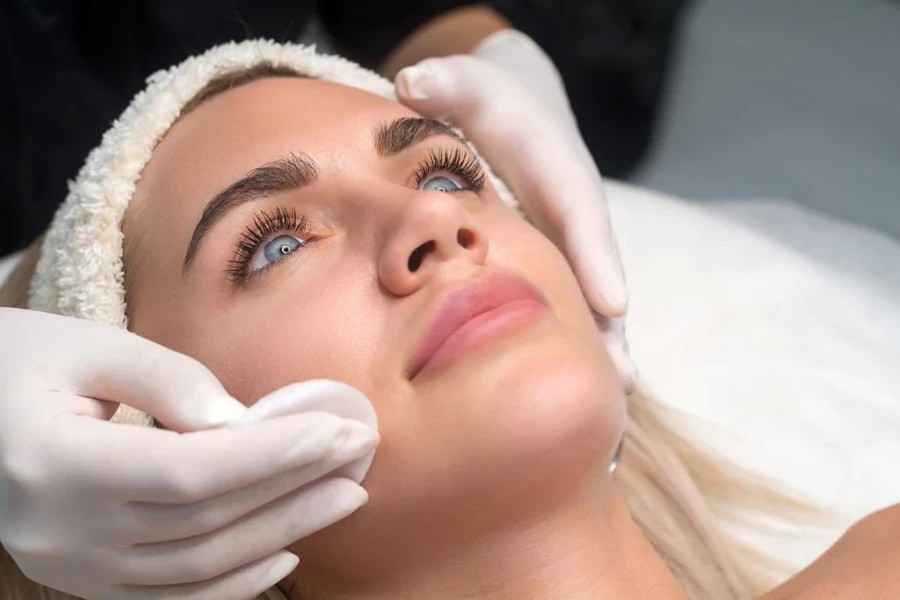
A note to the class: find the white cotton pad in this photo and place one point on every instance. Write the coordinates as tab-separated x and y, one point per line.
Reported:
319	395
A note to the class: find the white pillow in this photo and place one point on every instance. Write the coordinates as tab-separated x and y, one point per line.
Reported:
787	358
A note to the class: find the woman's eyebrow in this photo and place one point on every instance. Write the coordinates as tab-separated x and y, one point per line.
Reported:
393	137
298	170
280	175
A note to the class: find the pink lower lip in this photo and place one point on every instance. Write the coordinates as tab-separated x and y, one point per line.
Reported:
483	329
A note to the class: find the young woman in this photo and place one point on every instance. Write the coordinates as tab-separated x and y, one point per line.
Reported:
287	211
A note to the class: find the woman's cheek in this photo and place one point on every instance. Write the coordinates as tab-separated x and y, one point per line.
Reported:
522	247
517	243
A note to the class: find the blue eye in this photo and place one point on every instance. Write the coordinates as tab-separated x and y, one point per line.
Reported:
275	250
441	184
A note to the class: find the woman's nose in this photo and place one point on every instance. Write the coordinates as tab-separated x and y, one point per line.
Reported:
433	230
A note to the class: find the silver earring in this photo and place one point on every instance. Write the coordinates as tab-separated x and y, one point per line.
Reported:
615	461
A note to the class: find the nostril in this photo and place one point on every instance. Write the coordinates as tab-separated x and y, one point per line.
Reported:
465	238
418	255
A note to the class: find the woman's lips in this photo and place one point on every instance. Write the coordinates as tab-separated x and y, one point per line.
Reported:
476	314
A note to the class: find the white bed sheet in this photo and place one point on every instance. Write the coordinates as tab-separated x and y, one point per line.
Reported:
778	331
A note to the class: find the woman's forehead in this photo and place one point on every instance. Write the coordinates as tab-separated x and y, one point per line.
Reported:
301	108
242	128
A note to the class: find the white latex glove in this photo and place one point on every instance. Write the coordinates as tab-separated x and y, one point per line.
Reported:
108	511
509	99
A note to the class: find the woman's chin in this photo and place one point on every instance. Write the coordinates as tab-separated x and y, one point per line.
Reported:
508	437
564	403
547	401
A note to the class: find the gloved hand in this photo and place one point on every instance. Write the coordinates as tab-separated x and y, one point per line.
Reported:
509	99
104	511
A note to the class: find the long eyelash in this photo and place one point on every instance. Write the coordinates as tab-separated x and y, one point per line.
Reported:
457	161
264	224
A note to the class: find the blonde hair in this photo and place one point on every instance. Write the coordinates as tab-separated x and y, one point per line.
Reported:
679	495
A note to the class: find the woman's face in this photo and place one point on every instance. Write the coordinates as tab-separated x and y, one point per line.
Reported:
391	224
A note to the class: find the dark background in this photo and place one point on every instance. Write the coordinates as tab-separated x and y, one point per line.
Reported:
711	100
71	67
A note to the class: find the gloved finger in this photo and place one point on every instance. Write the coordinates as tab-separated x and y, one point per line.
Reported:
613	334
516	53
153	523
106	363
247	581
153	465
284	521
442	88
625	367
562	203
593	252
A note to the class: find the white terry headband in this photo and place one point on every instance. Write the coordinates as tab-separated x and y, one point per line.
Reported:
80	272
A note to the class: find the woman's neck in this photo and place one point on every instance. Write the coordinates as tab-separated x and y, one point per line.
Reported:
583	551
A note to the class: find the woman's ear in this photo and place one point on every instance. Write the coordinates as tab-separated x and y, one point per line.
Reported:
14	291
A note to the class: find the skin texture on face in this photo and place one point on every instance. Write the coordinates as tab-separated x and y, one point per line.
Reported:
511	428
